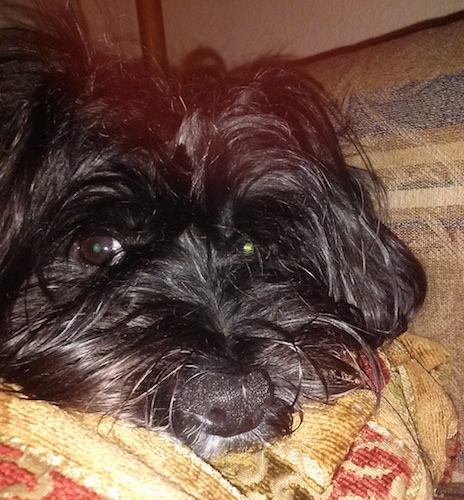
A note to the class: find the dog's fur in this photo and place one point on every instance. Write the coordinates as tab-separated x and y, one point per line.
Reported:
193	255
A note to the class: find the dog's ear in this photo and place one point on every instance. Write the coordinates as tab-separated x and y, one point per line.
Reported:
364	264
356	259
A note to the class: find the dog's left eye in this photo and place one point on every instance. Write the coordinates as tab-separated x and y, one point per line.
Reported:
100	250
248	248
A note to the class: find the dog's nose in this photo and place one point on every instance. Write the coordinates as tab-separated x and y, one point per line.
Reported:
226	405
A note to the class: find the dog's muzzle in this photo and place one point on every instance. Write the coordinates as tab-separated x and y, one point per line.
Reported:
225	404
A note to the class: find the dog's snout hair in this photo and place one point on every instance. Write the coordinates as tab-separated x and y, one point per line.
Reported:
190	253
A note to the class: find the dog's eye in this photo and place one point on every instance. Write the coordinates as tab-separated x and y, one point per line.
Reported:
248	248
99	250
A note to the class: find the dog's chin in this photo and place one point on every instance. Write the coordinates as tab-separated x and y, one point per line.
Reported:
208	445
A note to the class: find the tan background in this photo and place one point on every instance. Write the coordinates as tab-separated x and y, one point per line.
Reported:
240	30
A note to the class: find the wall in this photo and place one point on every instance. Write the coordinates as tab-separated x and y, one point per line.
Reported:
113	22
241	30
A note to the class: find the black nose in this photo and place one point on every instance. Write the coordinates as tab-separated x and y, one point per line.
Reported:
224	404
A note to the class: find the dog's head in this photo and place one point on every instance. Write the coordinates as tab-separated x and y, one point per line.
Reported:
195	256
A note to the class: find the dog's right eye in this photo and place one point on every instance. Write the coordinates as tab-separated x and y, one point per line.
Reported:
99	250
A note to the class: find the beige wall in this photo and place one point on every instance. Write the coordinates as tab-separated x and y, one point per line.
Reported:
114	22
241	30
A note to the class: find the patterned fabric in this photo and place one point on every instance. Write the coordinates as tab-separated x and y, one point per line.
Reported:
405	101
342	451
21	477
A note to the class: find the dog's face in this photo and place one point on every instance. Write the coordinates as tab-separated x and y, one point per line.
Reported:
195	257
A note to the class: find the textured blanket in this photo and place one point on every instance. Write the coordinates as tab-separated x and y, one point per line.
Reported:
346	450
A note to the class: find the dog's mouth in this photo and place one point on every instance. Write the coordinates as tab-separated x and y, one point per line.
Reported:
223	404
215	410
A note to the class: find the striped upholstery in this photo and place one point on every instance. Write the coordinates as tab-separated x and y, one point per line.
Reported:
405	101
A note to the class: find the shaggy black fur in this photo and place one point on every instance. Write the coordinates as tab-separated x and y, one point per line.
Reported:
193	255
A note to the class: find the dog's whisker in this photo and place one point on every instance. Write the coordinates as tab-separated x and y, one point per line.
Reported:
375	384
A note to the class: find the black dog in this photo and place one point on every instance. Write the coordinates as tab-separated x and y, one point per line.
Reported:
193	255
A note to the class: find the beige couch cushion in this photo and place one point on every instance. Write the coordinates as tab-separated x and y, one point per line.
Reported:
405	101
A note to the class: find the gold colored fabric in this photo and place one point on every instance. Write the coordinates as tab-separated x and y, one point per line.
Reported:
399	451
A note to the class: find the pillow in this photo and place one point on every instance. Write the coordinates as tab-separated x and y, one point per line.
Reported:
350	449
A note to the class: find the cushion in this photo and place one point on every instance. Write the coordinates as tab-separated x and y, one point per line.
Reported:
405	103
350	449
